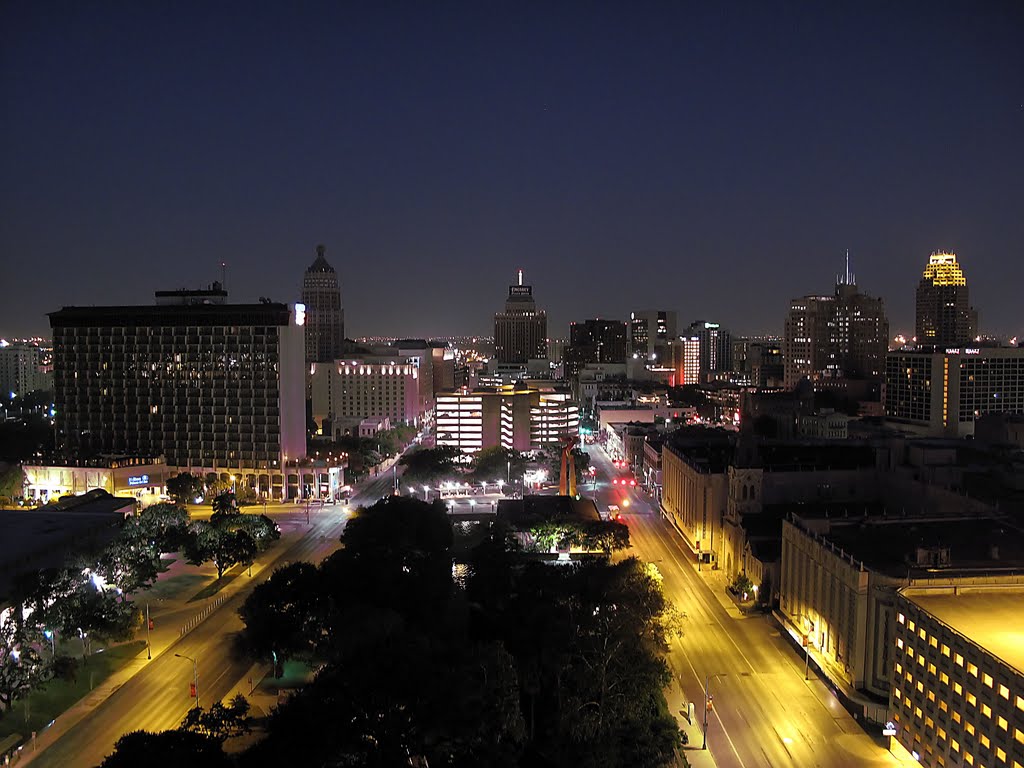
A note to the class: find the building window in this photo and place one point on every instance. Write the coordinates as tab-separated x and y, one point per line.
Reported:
944	677
1004	691
958	660
945	650
972	669
1001	722
987	679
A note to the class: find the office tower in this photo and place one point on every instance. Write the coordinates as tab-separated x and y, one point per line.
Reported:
684	359
844	335
594	341
715	346
516	416
521	331
942	392
325	316
21	370
367	386
650	333
944	315
211	386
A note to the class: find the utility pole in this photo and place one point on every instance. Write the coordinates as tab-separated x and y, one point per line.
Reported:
149	641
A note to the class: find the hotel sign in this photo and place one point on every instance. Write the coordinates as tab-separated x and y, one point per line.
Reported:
137	480
520	290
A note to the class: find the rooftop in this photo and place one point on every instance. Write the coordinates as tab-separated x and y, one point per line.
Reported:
989	617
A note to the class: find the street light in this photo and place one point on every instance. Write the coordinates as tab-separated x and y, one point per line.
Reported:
425	490
232	484
708	698
195	674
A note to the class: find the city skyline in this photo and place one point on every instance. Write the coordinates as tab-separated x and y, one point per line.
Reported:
711	162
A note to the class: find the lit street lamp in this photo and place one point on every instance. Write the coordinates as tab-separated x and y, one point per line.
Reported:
426	489
195	675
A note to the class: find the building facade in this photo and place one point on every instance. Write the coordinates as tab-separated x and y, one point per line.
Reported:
325	314
594	341
844	335
211	387
515	417
944	314
942	393
21	370
139	477
958	689
650	333
715	345
521	331
346	392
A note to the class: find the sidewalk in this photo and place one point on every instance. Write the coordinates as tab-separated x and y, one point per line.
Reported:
173	618
695	756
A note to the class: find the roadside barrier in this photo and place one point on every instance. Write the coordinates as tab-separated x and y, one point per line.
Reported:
195	620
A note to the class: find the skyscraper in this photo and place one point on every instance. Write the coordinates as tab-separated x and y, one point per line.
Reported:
650	332
325	316
844	335
521	331
595	341
944	315
715	345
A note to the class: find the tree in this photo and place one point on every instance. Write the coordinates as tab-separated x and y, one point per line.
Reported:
70	601
165	525
260	528
185	487
498	463
742	585
12	481
287	614
429	465
225	503
221	721
21	668
168	749
223	546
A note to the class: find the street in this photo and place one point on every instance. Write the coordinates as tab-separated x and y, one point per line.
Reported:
157	696
764	713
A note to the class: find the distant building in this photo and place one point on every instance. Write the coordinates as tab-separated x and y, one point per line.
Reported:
216	388
686	361
650	333
943	392
140	478
715	346
325	315
515	416
594	341
21	370
944	315
957	695
346	392
844	335
761	359
521	331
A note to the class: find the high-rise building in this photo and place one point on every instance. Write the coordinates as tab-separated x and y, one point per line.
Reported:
943	392
21	370
844	335
684	359
650	333
594	341
521	331
715	345
944	315
213	387
325	315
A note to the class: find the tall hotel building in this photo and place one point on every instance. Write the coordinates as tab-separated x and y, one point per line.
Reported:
325	316
521	331
515	417
715	345
213	387
942	392
650	333
844	335
944	315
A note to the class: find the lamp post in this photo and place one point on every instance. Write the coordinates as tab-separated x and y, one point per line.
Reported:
149	641
195	674
708	698
232	485
426	489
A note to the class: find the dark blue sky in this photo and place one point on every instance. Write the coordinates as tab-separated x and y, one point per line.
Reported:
714	158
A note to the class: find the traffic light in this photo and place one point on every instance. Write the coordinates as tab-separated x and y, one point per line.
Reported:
192	690
151	625
711	705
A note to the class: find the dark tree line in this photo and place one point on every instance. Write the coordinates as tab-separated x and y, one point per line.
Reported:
516	663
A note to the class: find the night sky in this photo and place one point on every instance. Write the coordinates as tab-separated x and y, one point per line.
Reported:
714	158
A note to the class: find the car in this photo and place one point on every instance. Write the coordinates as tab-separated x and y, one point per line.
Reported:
613	513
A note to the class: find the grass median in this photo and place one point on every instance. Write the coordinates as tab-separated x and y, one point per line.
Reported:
45	704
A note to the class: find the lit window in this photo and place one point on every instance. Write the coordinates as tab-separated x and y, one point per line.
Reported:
901	618
1018	734
945	650
1020	702
972	699
958	688
954	745
987	679
933	642
899	668
931	695
972	669
956	717
899	644
1004	691
931	669
986	710
1001	721
958	660
968	758
911	626
943	706
969	727
944	677
922	634
985	740
920	687
1001	754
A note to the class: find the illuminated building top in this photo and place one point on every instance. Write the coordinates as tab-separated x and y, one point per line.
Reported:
942	269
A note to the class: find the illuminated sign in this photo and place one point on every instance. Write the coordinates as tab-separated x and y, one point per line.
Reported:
136	480
520	290
972	351
890	729
300	314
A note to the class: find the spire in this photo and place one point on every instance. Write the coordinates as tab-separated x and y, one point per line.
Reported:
520	276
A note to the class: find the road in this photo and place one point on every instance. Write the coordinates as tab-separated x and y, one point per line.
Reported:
157	697
764	712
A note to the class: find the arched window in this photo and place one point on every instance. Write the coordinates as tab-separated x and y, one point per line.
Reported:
753	492
744	493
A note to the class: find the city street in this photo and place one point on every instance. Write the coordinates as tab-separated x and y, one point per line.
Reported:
156	697
764	712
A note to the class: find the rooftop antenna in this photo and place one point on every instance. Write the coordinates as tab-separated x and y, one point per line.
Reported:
847	266
520	276
223	275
